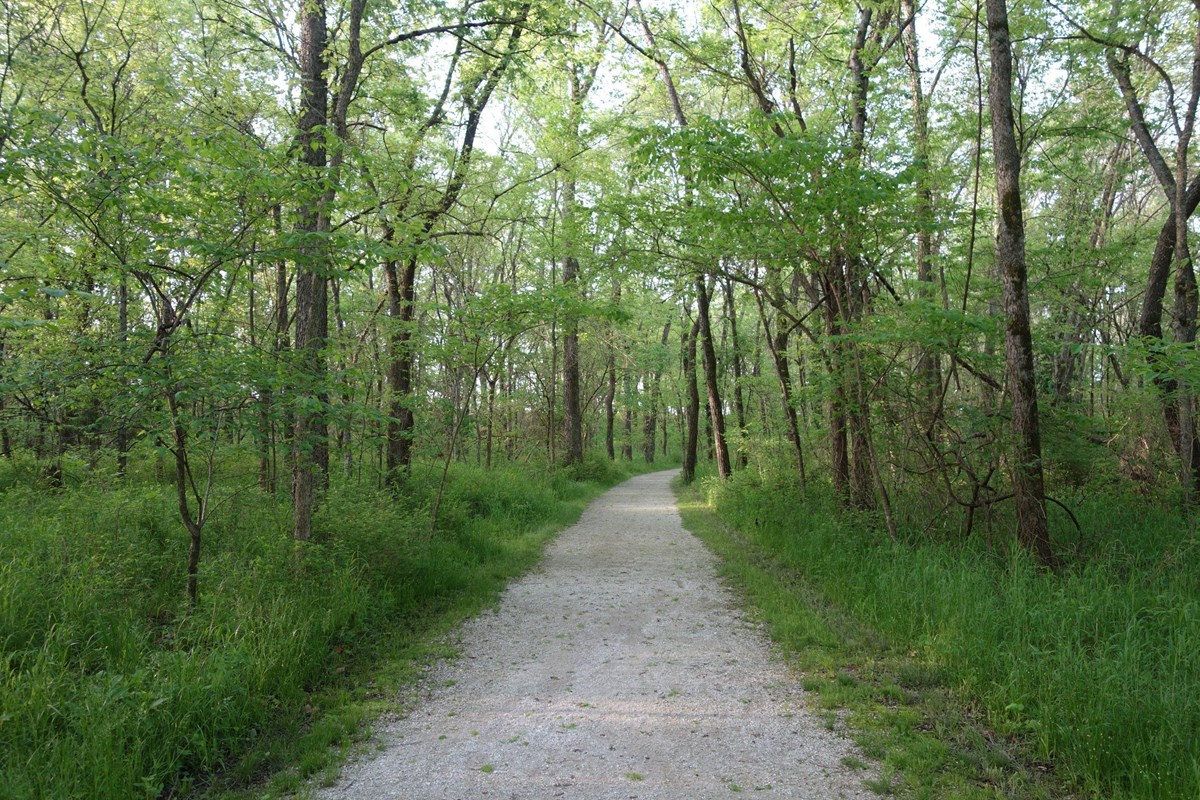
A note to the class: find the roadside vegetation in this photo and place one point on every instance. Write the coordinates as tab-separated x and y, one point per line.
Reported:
968	669
114	688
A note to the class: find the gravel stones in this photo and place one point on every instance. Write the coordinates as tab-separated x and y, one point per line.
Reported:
621	668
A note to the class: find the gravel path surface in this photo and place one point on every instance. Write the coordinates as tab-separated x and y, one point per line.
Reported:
621	668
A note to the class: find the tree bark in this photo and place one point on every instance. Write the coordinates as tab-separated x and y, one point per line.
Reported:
572	411
739	398
716	411
311	300
928	370
1026	458
123	333
777	344
610	398
627	449
691	410
1150	325
5	438
650	420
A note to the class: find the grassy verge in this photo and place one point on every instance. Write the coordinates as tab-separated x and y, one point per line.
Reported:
898	700
111	688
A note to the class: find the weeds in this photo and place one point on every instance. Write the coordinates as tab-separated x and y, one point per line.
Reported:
1095	669
111	688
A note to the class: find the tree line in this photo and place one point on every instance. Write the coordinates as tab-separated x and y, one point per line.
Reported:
917	253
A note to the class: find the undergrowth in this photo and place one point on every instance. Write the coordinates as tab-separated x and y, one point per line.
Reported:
111	687
1094	669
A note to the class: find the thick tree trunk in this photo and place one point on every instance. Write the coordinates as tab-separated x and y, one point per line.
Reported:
311	312
1026	458
401	297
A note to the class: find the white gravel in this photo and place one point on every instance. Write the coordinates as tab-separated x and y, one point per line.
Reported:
621	668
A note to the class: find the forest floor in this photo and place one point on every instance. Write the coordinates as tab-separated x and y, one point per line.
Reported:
620	668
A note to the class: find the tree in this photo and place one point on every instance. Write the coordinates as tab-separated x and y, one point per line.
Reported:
1026	457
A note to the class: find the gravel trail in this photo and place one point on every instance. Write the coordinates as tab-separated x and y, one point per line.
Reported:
620	668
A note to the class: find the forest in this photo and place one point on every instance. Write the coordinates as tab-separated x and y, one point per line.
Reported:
318	317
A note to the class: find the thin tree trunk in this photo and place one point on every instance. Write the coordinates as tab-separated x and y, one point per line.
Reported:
739	400
835	408
572	412
610	398
777	344
627	450
650	420
281	345
928	371
5	440
123	332
1026	458
715	410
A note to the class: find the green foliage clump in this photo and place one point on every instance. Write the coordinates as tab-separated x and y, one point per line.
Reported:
1097	666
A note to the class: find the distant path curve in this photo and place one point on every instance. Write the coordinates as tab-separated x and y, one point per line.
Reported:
621	668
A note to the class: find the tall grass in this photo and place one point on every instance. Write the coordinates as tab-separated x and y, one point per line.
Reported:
110	687
1098	665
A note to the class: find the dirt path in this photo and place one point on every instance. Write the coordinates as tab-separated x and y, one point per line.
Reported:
619	669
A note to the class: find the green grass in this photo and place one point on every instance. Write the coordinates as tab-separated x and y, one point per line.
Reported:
971	670
111	688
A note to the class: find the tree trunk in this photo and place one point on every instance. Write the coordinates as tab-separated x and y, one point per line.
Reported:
280	346
1150	326
572	411
1026	458
650	428
777	344
5	439
739	400
839	452
627	450
928	370
691	409
311	311
123	332
650	421
610	398
401	303
715	410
